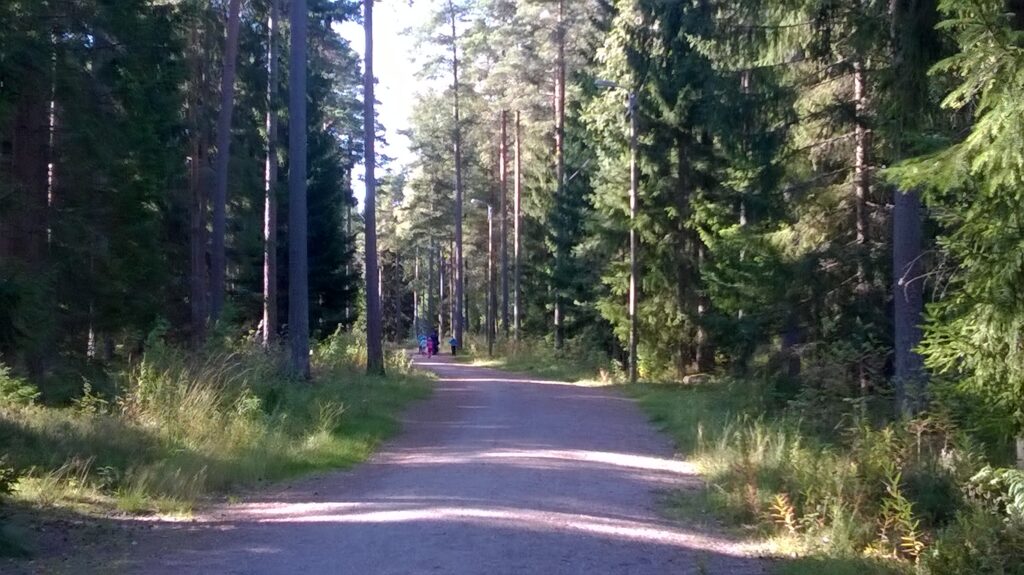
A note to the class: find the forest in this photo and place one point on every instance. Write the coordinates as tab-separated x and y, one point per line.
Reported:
785	226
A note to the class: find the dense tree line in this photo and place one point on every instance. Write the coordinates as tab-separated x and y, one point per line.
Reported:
826	192
146	151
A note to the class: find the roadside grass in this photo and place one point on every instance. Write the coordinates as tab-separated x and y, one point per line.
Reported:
910	496
822	565
183	427
573	364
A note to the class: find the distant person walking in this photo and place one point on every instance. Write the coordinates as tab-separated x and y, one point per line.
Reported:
454	343
435	342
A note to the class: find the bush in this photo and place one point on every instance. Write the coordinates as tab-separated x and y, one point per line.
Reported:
980	543
15	391
7	477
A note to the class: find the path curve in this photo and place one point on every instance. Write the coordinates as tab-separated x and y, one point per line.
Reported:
496	473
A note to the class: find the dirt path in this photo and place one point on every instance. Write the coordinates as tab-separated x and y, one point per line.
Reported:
494	474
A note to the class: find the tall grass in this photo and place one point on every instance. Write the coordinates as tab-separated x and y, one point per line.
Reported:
906	496
183	426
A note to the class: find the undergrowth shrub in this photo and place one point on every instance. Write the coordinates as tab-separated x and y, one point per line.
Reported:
14	390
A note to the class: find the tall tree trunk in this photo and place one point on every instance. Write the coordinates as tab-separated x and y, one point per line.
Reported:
910	23
458	317
559	167
862	173
431	282
218	258
503	212
270	186
416	294
298	218
374	345
26	241
516	206
441	275
862	187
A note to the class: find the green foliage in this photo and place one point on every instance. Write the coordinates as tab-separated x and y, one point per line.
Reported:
978	542
15	391
1000	491
7	477
973	186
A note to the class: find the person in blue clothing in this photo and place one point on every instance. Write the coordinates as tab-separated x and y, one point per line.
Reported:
454	343
423	343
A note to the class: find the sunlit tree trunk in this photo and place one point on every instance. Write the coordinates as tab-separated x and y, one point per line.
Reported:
218	259
517	306
270	187
503	213
862	187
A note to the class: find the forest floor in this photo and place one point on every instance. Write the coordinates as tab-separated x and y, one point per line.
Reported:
496	473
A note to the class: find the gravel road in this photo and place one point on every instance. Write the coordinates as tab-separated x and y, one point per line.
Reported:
496	473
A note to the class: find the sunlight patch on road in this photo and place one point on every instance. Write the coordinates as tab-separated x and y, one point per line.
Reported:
499	379
608	458
513	518
569	456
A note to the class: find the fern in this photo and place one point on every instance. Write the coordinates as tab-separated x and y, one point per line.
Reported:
783	514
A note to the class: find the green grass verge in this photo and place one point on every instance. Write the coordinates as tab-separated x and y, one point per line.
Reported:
188	426
820	565
541	359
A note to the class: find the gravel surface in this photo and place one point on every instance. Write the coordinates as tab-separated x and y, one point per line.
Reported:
496	473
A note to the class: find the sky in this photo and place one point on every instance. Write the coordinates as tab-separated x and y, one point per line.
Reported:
395	70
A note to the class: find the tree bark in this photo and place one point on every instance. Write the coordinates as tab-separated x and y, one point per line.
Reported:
908	304
503	213
862	173
909	26
559	164
298	219
517	305
374	344
862	187
270	186
458	318
218	258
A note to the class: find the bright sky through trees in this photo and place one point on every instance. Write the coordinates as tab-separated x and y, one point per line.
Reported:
396	73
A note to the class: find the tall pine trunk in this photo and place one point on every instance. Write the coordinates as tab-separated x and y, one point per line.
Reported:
516	205
458	318
298	263
374	345
503	212
198	292
218	258
270	186
559	169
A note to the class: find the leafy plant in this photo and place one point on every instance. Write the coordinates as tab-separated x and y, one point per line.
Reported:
15	391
